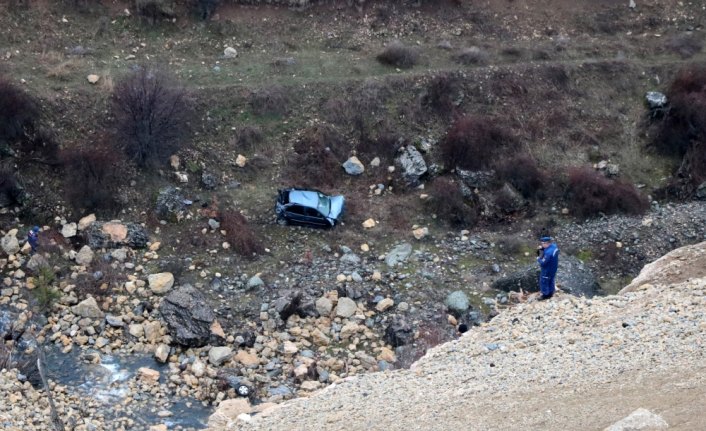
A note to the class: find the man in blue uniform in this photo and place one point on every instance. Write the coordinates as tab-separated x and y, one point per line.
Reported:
548	259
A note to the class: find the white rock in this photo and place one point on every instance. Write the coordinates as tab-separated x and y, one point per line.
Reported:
639	420
420	232
218	355
353	166
369	223
88	308
69	230
384	304
86	221
375	162
240	161
9	242
160	283
324	306
84	256
93	78
346	307
230	52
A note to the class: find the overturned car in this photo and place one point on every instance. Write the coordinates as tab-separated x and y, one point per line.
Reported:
308	207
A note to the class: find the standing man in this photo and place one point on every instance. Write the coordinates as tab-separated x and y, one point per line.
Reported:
548	259
33	238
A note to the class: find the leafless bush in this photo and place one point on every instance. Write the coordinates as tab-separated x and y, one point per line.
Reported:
248	137
154	10
93	176
100	282
471	56
207	7
523	174
476	142
152	115
272	100
239	234
441	94
19	113
447	202
316	162
510	245
11	192
398	55
685	45
590	194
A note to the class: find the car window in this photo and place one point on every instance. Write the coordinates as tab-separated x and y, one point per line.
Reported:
324	204
311	212
297	209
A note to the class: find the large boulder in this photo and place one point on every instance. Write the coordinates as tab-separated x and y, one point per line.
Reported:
675	267
9	242
412	165
160	283
476	179
353	166
171	205
188	316
115	234
287	304
458	302
572	277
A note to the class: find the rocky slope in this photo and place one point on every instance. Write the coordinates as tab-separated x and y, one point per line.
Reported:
570	363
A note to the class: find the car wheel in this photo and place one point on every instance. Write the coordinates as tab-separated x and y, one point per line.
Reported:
243	390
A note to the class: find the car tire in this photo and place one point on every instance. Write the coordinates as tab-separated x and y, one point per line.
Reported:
243	391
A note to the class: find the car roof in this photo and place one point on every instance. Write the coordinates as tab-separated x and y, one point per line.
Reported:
307	198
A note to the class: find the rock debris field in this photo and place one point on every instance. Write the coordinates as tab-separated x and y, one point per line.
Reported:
566	364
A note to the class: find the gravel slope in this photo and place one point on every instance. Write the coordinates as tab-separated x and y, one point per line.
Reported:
569	363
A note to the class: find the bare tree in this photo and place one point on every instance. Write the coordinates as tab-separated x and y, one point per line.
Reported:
152	113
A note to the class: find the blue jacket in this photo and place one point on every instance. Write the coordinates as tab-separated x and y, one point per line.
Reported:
549	261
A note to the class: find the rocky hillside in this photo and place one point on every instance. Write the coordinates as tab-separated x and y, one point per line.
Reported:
571	363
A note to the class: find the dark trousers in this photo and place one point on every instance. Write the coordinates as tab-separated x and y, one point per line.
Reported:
546	284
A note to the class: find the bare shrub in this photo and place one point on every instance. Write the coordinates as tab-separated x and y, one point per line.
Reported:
442	93
154	10
682	132
100	281
510	245
398	55
207	7
315	163
590	194
152	115
272	100
447	202
11	192
523	174
476	142
93	176
557	75
239	234
337	111
248	137
471	56
19	113
685	45
383	144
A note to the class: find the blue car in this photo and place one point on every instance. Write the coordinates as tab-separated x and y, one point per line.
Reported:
308	208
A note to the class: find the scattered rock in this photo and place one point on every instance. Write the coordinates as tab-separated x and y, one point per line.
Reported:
9	243
458	302
398	254
384	304
346	307
88	308
640	420
218	355
170	205
86	222
84	256
369	223
230	52
412	164
353	166
241	161
188	316
160	283
93	79
420	233
115	234
399	332
69	230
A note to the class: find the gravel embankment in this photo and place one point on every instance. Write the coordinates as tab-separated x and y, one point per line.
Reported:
569	363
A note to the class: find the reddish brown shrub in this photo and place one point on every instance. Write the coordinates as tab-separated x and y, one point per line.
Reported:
447	202
100	282
476	142
523	174
93	175
590	194
239	234
398	55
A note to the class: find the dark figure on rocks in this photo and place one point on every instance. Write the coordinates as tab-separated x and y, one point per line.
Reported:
33	238
548	259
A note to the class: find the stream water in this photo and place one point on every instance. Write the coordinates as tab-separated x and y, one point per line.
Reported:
107	383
